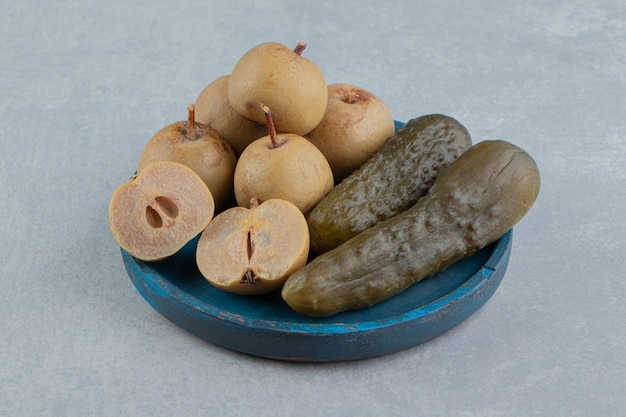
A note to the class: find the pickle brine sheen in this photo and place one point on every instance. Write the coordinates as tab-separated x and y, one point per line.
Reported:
390	182
472	203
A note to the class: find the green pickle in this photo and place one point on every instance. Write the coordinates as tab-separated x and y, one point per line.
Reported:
390	182
471	204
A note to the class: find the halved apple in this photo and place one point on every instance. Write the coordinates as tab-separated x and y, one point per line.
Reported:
159	210
254	250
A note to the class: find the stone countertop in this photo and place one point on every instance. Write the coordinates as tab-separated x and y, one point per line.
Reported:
84	85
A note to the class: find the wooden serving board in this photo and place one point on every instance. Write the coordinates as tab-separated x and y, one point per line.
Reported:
265	325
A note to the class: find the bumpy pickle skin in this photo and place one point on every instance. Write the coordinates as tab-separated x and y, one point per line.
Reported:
390	182
472	203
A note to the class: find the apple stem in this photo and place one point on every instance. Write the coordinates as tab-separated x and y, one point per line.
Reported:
301	46
270	126
191	128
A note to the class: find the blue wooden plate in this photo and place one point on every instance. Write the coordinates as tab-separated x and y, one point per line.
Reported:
265	325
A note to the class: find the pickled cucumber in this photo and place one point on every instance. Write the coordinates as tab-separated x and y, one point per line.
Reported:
472	203
390	182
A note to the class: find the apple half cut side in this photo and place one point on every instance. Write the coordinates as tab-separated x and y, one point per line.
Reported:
154	214
253	250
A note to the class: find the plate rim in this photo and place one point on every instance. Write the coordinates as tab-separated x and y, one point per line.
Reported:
471	284
324	334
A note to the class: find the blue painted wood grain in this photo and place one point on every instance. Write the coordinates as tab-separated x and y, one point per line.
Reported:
265	326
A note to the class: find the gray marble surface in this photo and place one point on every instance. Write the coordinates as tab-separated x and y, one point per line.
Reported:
83	86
